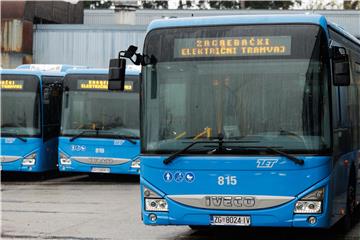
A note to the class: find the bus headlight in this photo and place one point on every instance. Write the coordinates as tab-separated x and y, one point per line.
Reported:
153	202
156	205
29	160
311	203
64	160
136	163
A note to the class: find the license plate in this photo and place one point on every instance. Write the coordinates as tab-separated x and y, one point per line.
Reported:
231	220
100	170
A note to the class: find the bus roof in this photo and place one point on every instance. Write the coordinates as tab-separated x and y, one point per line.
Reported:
130	70
341	30
251	19
239	19
49	67
20	72
31	72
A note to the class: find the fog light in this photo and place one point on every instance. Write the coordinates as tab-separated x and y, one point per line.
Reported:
147	192
29	160
156	204
312	220
152	217
136	163
65	160
150	194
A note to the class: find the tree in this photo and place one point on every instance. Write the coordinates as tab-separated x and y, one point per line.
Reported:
322	4
354	4
242	4
98	4
148	4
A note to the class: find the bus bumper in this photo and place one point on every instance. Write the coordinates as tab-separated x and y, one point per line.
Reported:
17	166
280	216
124	168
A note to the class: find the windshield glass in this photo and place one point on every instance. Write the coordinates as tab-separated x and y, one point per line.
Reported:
88	105
20	115
268	87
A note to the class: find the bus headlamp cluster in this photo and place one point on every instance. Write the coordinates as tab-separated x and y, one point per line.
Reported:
64	160
311	203
153	202
29	160
136	163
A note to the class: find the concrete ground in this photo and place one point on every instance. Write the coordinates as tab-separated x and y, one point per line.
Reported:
108	207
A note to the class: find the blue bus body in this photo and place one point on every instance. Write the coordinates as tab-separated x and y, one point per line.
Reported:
101	153
20	150
246	187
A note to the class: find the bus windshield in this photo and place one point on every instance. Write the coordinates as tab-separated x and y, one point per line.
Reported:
91	110
20	104
265	85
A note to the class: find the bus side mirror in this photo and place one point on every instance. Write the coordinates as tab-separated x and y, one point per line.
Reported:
341	66
116	75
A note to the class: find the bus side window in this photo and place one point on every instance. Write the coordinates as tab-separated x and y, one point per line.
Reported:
348	97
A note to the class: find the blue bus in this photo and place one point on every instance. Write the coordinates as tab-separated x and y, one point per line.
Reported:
99	128
30	119
248	121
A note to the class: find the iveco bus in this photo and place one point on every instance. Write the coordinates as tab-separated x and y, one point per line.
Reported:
30	108
99	128
248	121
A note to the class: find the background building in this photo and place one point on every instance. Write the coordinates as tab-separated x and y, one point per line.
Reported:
18	19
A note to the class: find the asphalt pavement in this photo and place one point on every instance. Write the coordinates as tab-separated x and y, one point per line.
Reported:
108	207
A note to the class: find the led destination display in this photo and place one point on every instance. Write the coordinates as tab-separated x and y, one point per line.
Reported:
101	85
12	84
232	46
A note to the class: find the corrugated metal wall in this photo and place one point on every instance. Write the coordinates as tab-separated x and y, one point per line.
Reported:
94	45
83	44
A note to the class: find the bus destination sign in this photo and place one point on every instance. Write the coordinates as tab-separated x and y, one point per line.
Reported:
232	46
12	84
100	85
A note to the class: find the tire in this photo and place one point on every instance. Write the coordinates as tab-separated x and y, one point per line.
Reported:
198	227
349	218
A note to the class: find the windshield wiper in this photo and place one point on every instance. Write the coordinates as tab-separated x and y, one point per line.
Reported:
176	154
289	156
220	146
128	138
220	143
125	137
14	135
83	132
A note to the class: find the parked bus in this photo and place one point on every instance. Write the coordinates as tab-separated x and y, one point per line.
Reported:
99	128
30	119
249	121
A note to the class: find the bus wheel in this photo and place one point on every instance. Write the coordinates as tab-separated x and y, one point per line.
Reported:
349	218
198	227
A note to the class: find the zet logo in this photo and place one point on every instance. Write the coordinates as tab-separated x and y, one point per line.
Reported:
78	148
266	162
